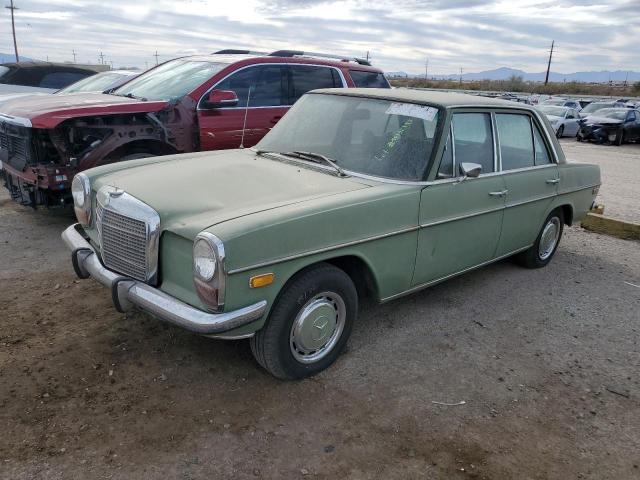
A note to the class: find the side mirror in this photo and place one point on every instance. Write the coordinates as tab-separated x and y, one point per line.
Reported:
471	170
220	99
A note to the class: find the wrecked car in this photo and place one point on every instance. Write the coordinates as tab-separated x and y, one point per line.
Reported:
356	193
210	102
611	125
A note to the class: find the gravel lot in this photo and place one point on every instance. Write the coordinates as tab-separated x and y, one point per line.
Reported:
546	362
620	167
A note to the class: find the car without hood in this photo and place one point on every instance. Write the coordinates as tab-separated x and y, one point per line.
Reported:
206	102
611	125
355	192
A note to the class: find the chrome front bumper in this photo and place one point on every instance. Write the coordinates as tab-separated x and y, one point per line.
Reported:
127	293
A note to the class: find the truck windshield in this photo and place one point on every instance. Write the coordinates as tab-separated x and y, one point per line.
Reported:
361	135
170	80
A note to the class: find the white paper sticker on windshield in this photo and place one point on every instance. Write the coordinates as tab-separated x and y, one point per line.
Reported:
411	110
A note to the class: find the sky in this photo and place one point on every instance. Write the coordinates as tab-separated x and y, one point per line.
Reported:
400	35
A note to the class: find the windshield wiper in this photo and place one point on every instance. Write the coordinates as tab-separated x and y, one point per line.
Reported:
129	95
311	156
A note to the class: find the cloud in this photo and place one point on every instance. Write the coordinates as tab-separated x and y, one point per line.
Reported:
400	35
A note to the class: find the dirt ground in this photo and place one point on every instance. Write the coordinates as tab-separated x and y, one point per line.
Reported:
545	361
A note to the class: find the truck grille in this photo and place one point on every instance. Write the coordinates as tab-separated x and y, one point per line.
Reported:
15	144
128	244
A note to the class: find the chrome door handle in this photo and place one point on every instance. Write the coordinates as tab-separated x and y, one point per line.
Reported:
553	181
499	194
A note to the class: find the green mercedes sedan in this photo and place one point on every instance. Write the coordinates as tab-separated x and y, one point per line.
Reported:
354	193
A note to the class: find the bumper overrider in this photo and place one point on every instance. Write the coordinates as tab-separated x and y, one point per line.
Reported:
128	293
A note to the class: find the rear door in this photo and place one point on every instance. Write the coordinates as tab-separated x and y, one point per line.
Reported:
531	179
571	125
262	101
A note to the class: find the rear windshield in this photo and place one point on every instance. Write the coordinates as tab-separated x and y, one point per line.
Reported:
171	80
369	79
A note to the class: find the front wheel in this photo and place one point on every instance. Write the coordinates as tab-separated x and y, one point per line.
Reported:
545	246
619	138
309	324
560	131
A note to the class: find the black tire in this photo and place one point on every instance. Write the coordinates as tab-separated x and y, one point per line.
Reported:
619	138
272	345
560	131
533	258
136	156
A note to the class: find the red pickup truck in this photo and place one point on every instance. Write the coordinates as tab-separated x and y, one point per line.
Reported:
224	100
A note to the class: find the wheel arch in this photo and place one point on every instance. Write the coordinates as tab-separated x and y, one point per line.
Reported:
143	145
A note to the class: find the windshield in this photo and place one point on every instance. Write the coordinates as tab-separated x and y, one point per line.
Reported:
95	83
551	110
592	107
170	80
615	113
362	135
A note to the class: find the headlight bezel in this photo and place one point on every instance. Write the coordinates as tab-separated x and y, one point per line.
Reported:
210	288
81	185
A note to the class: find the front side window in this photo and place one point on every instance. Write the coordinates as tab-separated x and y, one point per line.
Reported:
171	80
304	78
266	82
516	141
363	135
473	139
368	79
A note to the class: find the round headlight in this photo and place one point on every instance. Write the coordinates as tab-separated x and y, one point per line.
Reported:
204	260
79	191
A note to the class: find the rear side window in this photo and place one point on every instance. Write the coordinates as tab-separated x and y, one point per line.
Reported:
304	78
516	141
368	79
473	139
61	79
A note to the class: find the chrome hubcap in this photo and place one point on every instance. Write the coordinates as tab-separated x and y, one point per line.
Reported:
317	327
549	238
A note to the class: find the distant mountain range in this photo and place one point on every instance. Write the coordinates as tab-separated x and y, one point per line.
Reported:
504	73
11	58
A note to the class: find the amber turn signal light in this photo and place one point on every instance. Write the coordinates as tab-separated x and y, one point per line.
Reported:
261	280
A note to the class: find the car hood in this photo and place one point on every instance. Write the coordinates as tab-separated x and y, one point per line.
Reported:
48	111
192	192
594	119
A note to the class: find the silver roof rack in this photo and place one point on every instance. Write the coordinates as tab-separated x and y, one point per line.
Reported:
293	53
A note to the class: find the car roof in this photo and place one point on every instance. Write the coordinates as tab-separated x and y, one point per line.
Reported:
429	97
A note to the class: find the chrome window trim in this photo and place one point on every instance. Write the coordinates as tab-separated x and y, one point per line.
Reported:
497	153
451	275
259	64
118	201
454	172
322	250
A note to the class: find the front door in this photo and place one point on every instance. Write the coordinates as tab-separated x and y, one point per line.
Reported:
531	178
262	101
461	218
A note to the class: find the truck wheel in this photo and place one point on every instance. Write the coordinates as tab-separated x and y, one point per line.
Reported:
545	246
560	131
309	324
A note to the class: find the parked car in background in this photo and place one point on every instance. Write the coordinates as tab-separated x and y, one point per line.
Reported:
564	120
208	102
100	82
595	106
563	102
353	193
611	125
46	77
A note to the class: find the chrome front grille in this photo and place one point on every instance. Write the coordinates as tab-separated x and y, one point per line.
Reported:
16	146
128	234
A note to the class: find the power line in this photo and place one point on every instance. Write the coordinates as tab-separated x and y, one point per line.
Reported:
13	29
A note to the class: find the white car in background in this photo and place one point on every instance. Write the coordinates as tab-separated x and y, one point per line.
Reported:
563	119
563	102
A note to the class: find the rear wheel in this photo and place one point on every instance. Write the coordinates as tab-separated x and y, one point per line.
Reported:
309	324
560	131
545	246
619	138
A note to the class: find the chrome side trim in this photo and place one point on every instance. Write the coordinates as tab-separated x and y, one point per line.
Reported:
461	217
322	250
531	200
23	122
579	189
451	275
127	292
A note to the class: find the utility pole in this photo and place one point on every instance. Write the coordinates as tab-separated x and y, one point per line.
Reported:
460	75
546	79
156	55
13	29
367	55
101	57
426	70
74	55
